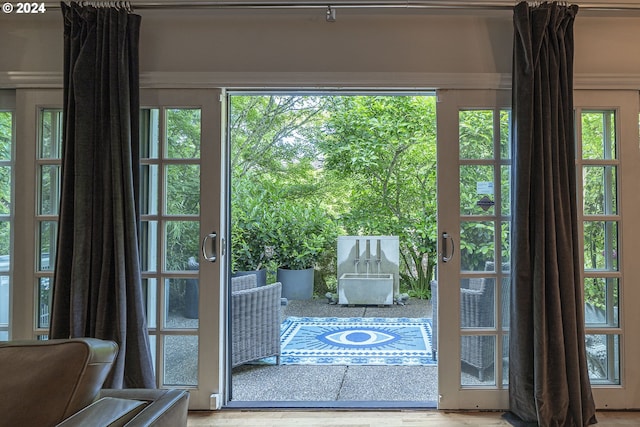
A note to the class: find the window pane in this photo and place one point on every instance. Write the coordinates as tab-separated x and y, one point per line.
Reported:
505	359
44	301
181	303
149	182
48	236
5	189
477	354
6	132
50	134
183	189
477	245
183	239
4	303
476	134
183	134
603	358
599	190
476	190
505	134
153	345
601	245
150	293
506	245
598	135
505	301
505	181
49	194
149	245
181	360
477	303
5	245
149	133
601	301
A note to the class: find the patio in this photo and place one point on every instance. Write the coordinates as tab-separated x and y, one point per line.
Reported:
322	386
317	386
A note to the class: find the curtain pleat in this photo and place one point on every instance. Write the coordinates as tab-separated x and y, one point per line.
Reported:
97	284
548	376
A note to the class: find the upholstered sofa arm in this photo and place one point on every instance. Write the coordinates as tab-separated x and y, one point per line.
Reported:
45	382
105	412
162	407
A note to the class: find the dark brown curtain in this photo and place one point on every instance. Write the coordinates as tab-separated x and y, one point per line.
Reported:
549	382
97	285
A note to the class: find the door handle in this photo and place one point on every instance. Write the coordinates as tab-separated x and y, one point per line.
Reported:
213	236
445	257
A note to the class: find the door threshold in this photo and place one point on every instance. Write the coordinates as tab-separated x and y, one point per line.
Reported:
346	404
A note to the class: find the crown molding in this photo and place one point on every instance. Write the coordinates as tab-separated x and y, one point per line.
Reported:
322	80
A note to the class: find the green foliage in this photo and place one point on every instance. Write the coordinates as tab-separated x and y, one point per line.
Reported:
183	133
281	203
253	232
304	233
183	188
273	225
299	161
270	134
476	139
384	146
6	142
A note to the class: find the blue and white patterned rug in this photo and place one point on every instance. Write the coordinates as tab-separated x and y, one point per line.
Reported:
356	341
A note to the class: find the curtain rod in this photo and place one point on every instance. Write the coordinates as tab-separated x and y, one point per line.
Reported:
356	4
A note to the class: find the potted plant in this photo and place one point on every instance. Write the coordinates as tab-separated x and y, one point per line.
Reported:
250	250
303	233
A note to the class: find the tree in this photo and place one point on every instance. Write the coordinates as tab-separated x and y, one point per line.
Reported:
268	133
274	161
384	147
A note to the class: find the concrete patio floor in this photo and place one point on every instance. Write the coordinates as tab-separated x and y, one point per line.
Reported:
339	386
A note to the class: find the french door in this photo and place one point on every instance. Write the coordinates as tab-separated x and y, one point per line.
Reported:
474	226
474	164
608	208
181	229
182	238
184	226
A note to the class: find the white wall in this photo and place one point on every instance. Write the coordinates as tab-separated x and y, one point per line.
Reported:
239	46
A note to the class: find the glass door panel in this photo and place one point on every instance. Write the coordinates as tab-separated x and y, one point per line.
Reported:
482	242
609	205
170	142
474	213
177	138
48	170
599	165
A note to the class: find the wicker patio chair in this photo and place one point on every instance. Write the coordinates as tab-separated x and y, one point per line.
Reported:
476	311
255	320
434	319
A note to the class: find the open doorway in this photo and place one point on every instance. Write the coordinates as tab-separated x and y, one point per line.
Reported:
343	186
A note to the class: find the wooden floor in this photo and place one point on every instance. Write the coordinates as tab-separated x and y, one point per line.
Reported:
408	418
